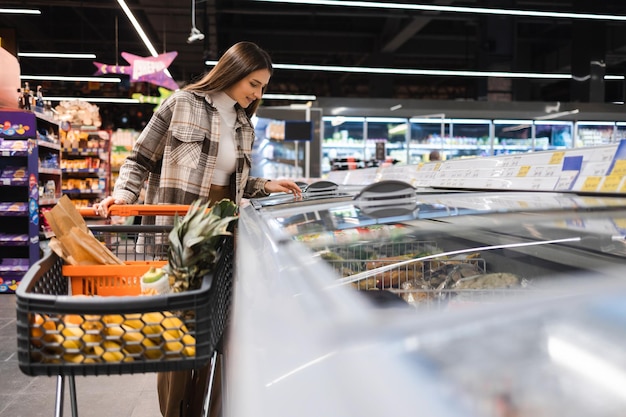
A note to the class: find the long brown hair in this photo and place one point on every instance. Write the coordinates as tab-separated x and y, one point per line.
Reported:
237	62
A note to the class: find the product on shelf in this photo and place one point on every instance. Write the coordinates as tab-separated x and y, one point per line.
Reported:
19	210
85	164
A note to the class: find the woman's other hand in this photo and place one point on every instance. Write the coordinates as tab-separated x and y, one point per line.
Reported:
283	186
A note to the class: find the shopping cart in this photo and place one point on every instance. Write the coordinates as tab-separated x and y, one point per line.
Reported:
76	320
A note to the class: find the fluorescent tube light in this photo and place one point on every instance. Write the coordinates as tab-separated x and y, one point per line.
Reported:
511	122
454	9
338	120
304	97
95	99
138	28
63	78
422	119
471	121
407	71
594	123
385	119
55	55
20	11
141	32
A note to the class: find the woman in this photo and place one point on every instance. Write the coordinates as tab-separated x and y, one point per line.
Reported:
198	145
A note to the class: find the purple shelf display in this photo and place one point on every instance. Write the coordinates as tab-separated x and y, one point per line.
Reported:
13	209
19	210
10	239
18	265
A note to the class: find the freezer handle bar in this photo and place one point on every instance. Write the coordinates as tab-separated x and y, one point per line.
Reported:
127	210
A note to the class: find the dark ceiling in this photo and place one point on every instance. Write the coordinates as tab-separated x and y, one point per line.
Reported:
347	36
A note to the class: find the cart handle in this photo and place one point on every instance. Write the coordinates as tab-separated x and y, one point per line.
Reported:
127	210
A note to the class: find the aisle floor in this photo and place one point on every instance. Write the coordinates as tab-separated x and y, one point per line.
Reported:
97	396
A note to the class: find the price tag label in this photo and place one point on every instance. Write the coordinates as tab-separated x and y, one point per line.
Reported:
557	158
523	171
591	183
611	183
619	169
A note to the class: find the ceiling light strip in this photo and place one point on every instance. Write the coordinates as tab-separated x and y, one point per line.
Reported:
270	96
20	11
138	28
96	99
454	9
55	55
406	71
141	32
69	78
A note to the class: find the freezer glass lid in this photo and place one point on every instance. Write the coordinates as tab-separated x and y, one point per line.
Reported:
355	215
444	256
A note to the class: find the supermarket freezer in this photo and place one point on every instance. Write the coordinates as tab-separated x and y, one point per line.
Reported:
359	307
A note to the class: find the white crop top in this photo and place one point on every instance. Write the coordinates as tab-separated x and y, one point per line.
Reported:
227	150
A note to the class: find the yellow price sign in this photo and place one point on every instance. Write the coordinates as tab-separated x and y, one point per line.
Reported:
619	168
557	157
611	183
523	171
591	184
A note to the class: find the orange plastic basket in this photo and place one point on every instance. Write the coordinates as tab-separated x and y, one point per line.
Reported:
108	280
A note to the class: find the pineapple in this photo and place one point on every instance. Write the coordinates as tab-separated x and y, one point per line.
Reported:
193	243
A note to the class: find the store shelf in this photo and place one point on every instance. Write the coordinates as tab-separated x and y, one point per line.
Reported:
122	142
19	196
49	145
50	173
85	165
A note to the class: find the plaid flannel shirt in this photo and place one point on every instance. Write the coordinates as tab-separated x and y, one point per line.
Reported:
177	153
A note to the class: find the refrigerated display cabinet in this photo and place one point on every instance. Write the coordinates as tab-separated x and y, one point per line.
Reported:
411	303
594	133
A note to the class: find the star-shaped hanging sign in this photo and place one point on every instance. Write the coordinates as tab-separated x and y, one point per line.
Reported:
147	69
164	93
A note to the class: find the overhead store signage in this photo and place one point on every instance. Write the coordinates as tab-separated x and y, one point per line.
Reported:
164	93
147	69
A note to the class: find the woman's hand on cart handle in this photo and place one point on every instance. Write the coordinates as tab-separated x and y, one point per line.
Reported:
102	208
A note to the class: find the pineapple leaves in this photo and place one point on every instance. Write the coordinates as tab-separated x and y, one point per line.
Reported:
194	240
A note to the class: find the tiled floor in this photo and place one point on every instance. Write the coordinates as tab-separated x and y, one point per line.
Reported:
98	396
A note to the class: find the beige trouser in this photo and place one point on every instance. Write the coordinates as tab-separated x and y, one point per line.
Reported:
181	393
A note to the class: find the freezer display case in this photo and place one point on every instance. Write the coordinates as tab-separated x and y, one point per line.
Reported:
396	302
